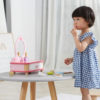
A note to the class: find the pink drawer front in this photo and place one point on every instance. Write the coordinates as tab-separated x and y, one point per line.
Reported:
16	67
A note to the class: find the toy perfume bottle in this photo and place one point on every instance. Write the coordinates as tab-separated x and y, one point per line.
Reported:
26	58
16	58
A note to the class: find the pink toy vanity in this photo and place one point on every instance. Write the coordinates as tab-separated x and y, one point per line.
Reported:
21	63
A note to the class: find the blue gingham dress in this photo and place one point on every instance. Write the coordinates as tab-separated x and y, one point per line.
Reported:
85	65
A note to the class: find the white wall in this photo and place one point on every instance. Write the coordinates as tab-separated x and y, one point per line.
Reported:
3	43
23	23
2	18
38	27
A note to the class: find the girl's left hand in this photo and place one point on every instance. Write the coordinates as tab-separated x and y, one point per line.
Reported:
74	32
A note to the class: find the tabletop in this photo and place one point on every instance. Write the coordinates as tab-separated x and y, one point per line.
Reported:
34	77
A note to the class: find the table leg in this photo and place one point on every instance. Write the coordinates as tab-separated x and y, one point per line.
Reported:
33	90
52	90
94	97
23	90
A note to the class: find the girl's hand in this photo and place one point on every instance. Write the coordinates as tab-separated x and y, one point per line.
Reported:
68	61
74	32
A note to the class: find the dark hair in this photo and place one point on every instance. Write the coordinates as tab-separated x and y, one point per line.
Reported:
85	12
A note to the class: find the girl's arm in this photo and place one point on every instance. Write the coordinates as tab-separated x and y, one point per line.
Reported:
81	46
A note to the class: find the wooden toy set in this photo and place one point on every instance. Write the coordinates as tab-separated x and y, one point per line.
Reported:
21	63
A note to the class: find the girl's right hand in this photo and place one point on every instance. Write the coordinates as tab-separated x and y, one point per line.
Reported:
68	61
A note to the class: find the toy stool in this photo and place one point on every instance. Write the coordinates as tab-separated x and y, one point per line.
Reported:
94	96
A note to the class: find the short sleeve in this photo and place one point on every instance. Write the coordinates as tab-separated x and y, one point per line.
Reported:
95	42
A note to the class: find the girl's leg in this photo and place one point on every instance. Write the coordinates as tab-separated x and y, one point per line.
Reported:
85	94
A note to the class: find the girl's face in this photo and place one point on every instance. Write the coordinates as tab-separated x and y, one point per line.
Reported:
80	23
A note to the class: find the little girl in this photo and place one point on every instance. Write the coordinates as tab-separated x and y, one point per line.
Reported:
85	64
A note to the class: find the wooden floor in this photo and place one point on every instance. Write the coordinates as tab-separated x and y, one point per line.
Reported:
11	90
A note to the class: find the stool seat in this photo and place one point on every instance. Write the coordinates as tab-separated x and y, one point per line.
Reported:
95	93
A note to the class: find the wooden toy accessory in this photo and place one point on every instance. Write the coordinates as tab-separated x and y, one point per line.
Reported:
21	63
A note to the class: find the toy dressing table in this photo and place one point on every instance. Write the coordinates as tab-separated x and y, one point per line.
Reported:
32	79
21	63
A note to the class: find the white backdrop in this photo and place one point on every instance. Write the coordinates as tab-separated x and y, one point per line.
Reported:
3	54
45	26
3	27
23	23
57	42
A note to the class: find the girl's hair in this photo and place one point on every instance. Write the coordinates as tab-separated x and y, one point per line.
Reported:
86	13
